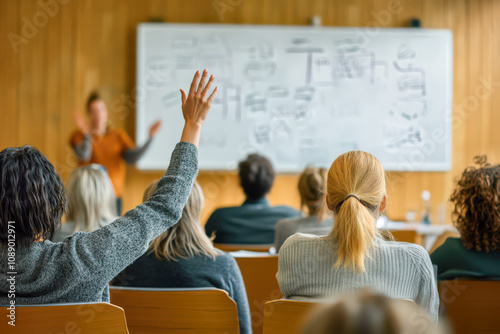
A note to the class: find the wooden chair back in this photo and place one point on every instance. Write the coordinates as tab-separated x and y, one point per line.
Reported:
289	316
97	318
236	247
286	316
471	306
259	275
407	236
186	311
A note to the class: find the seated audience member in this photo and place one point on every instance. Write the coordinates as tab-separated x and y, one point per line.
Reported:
254	221
312	183
354	255
78	270
184	257
370	314
476	215
91	199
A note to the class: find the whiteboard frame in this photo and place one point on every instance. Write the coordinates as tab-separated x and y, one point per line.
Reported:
141	126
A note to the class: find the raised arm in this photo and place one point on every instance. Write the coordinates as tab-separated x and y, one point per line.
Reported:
131	156
83	149
105	252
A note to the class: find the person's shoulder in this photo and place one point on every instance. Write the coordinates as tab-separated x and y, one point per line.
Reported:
288	210
450	247
288	222
223	211
302	240
406	249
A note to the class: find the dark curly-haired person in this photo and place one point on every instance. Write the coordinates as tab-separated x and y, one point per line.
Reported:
476	215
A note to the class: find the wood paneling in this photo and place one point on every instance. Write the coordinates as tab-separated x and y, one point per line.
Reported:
90	45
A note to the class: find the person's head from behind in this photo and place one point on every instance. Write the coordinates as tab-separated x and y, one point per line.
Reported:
256	176
97	111
312	190
32	195
356	194
370	314
92	200
186	239
476	208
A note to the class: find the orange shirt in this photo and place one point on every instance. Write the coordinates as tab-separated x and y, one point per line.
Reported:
107	150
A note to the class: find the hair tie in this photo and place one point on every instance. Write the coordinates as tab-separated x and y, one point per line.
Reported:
351	195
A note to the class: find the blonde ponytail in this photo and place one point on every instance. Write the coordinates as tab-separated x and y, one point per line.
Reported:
356	189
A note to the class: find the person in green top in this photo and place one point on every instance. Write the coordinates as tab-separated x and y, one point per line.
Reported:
476	215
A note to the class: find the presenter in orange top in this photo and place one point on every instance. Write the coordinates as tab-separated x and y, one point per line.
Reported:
95	142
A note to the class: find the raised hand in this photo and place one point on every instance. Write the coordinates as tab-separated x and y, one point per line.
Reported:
81	124
195	106
154	128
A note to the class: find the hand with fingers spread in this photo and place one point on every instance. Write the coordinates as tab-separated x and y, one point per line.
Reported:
195	106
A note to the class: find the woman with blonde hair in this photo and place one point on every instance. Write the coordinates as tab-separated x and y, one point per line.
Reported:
354	255
92	201
312	190
184	257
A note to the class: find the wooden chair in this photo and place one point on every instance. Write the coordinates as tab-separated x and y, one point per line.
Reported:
96	318
186	311
407	236
442	238
259	275
286	316
471	306
236	247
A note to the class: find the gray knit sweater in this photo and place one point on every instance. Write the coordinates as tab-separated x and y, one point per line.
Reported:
396	269
79	268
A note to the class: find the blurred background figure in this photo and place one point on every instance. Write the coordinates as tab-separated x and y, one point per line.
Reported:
312	189
91	201
370	314
255	220
97	142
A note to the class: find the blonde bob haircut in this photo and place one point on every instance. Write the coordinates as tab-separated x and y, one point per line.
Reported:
360	175
186	239
91	198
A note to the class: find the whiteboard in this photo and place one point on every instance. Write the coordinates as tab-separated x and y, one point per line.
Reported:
300	95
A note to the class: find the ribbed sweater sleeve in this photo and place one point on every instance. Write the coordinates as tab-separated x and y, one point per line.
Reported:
102	254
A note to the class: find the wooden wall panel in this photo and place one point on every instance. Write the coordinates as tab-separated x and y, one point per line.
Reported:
91	44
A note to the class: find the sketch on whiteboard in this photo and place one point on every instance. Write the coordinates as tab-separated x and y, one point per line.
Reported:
309	51
230	99
258	70
302	95
160	72
256	102
262	135
277	92
171	99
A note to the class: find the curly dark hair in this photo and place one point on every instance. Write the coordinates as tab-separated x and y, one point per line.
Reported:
256	176
476	212
31	194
